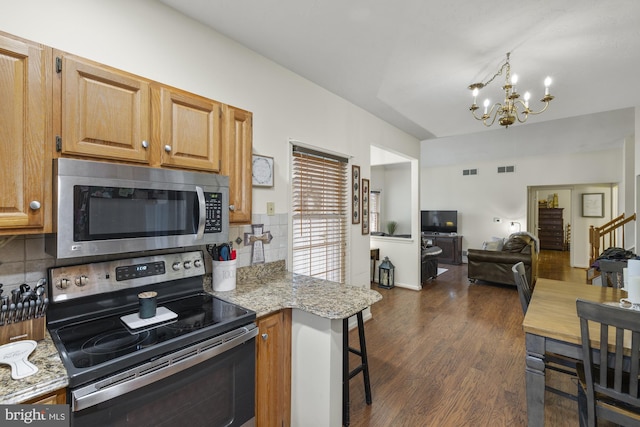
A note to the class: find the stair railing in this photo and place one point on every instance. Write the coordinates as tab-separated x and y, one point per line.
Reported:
606	236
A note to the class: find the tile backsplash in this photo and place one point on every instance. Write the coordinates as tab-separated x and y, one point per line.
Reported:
23	259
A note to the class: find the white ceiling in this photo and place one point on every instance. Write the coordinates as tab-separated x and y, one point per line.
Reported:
409	62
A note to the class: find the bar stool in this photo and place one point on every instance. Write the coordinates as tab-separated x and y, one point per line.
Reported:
363	367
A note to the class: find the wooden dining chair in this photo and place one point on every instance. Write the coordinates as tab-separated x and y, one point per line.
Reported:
553	361
608	386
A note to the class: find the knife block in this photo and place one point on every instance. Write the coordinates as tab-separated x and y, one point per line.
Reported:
31	329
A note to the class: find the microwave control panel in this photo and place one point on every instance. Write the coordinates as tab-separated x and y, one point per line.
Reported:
213	202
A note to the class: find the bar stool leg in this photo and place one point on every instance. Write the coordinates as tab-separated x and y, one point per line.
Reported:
363	367
365	361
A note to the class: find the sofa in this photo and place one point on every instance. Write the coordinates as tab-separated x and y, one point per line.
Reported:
494	263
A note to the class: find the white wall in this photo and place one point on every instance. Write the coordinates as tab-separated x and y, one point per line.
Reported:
149	39
394	181
480	198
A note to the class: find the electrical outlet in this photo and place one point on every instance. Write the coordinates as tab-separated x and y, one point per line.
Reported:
271	208
497	219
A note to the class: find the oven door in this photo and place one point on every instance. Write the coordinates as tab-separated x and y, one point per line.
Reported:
210	384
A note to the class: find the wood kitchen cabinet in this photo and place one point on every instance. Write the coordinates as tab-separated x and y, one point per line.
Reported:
25	129
105	113
273	370
236	153
58	397
111	114
187	129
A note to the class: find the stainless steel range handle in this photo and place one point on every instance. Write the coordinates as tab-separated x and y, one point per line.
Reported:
133	379
202	207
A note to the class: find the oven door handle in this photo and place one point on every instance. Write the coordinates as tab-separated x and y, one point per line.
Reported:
202	213
133	379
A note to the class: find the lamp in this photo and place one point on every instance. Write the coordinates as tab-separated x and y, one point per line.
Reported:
514	225
513	108
386	274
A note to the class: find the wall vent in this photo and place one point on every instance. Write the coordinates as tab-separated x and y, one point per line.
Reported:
469	172
506	169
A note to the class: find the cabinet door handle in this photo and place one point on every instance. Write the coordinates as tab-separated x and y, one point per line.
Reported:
264	337
167	148
232	208
35	205
145	144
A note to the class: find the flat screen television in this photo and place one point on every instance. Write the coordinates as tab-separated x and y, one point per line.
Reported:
439	221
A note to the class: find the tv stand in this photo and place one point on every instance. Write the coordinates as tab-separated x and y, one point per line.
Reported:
451	246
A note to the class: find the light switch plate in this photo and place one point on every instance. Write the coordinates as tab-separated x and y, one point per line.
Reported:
271	208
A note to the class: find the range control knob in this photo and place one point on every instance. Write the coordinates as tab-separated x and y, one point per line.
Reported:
62	284
82	280
176	266
187	265
197	263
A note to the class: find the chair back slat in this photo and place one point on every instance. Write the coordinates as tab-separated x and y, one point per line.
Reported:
634	371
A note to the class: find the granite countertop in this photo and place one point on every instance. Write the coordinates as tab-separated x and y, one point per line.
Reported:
269	287
51	375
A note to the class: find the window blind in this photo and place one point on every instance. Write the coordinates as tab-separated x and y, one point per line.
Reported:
320	214
374	207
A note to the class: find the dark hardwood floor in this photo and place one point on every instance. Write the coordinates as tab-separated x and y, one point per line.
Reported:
453	355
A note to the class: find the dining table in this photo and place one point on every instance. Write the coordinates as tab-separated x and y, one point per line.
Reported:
551	325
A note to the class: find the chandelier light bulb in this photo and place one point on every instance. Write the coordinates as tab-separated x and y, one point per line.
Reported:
527	96
486	105
547	83
475	94
514	80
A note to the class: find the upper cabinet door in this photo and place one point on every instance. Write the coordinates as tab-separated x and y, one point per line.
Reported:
25	119
187	128
236	156
105	112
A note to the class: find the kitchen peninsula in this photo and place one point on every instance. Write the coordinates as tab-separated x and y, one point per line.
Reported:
318	307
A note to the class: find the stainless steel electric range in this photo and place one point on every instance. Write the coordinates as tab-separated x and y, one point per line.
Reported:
195	368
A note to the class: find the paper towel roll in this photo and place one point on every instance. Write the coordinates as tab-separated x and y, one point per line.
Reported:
633	290
633	267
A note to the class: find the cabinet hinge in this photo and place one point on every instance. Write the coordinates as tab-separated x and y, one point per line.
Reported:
58	143
58	64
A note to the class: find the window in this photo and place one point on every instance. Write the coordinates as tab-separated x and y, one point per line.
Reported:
320	214
374	210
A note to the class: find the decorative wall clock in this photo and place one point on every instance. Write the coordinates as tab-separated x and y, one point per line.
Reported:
262	171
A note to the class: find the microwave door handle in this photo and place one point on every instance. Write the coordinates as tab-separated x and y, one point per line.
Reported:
202	213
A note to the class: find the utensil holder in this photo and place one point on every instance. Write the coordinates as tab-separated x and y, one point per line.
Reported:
223	275
30	329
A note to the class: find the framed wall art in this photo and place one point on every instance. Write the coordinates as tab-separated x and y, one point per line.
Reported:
365	205
262	171
593	205
355	194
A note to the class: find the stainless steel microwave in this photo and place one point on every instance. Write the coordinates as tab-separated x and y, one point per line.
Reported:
108	208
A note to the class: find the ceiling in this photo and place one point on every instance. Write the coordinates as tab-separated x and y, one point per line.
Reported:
409	62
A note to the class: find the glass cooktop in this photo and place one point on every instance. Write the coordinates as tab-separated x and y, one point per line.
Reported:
94	342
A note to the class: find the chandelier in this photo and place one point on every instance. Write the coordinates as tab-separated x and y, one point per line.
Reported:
513	108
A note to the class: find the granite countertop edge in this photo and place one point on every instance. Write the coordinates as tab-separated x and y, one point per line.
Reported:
269	288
